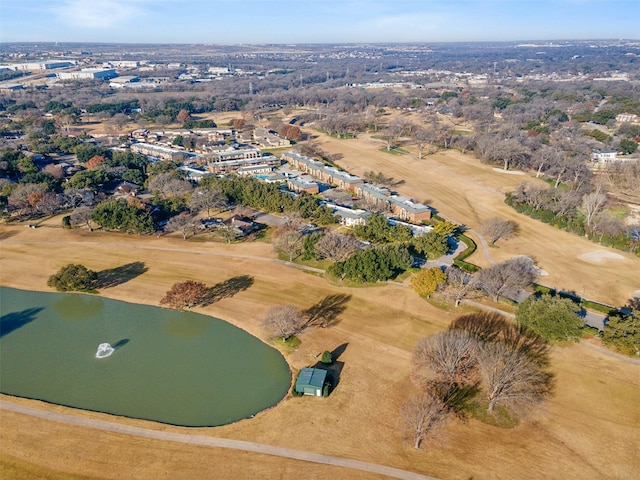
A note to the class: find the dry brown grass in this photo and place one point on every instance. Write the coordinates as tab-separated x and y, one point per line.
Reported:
589	430
463	189
593	408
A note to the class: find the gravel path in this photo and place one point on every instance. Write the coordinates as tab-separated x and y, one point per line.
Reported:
201	440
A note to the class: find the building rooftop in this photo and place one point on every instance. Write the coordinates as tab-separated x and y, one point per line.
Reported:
314	377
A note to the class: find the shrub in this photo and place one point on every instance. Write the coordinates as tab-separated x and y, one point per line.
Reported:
73	277
326	357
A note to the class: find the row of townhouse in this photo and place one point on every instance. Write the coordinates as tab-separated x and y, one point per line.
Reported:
404	208
229	163
324	173
159	151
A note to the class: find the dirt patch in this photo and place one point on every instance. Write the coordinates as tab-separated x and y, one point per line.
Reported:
600	256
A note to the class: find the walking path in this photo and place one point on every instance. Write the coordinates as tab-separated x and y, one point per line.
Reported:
202	440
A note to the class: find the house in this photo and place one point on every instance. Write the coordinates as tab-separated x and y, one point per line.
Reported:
158	151
268	139
311	381
627	117
242	225
194	172
259	169
126	189
407	209
140	134
604	156
324	173
350	217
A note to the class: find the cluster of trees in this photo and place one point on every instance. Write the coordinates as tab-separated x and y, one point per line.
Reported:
579	211
379	230
268	197
503	279
481	361
114	214
374	264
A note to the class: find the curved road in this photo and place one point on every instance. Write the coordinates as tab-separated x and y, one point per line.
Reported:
201	440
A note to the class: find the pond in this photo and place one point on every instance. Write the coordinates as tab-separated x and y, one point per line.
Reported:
179	368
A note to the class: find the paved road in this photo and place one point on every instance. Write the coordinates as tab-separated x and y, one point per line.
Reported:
484	245
446	260
202	440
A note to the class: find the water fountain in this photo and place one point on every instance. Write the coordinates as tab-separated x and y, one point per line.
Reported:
104	350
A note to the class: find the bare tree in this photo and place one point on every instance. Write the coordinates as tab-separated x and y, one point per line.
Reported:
397	127
592	204
496	228
170	186
447	358
337	247
459	286
183	223
293	220
606	224
208	198
185	294
283	321
508	276
25	197
228	232
288	241
82	216
512	377
421	138
423	417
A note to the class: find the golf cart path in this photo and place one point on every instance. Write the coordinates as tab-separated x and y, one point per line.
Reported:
202	440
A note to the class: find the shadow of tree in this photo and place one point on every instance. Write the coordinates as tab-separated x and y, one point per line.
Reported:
119	275
325	312
227	289
334	369
458	398
7	234
14	320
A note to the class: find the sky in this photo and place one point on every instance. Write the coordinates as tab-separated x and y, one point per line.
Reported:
315	21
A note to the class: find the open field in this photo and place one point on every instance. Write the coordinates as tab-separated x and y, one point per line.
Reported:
595	407
464	190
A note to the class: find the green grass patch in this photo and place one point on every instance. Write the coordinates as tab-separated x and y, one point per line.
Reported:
322	264
289	345
462	132
459	261
394	151
552	183
405	275
502	417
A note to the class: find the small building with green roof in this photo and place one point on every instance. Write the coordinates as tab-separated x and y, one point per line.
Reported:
311	381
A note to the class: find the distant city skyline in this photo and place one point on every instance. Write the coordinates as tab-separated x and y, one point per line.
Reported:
315	21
